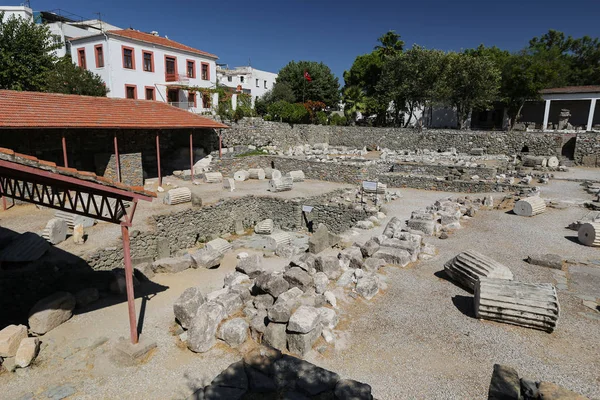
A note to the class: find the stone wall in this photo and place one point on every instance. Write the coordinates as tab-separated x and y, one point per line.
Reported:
264	133
442	170
434	183
131	168
587	150
186	229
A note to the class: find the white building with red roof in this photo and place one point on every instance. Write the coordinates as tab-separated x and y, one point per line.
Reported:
146	66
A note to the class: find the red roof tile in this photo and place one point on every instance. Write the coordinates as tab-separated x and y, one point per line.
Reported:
30	161
51	110
572	89
149	38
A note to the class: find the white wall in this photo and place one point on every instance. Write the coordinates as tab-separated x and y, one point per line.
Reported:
18	11
250	81
116	77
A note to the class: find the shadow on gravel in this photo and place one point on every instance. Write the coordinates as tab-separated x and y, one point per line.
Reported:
510	212
573	239
465	305
443	275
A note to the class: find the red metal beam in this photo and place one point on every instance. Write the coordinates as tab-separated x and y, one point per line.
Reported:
158	159
68	181
129	284
117	160
191	156
64	147
220	144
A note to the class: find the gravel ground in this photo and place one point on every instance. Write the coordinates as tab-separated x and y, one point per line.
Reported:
417	339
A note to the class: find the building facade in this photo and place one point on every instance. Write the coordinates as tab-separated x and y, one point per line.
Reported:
17	11
247	80
138	65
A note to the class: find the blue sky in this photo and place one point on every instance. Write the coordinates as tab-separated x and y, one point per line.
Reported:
271	33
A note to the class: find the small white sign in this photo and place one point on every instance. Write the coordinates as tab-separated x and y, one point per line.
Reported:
307	209
369	185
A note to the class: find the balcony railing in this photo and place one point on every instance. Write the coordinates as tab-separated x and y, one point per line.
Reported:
185	105
175	77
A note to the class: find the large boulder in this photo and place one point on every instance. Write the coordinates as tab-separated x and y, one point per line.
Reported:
251	265
368	286
231	302
352	390
301	343
187	305
320	282
275	336
234	332
297	277
329	265
201	335
206	258
393	255
51	311
304	319
236	278
505	384
369	248
352	256
322	239
172	265
10	338
271	283
28	350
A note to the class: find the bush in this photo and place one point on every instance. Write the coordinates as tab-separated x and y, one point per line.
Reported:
337	119
287	112
261	106
321	118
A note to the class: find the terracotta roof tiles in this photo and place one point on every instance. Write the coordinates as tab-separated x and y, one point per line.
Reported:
51	110
572	89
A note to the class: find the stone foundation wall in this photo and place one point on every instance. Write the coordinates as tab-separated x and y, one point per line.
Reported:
131	168
587	150
442	170
434	183
186	229
264	133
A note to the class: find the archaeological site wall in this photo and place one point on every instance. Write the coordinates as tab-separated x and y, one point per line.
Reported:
187	228
260	133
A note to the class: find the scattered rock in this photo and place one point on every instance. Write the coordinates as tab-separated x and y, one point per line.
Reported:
231	302
329	265
353	256
263	301
251	265
301	343
172	265
368	286
10	338
235	278
546	260
352	390
373	264
51	311
297	277
369	248
271	283
320	281
206	258
28	350
329	318
234	332
187	305
322	239
304	319
275	336
201	335
551	391
505	384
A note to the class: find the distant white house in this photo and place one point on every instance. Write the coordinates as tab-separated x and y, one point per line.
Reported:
247	80
138	65
17	11
66	28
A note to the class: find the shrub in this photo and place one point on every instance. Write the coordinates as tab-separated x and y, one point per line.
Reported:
337	119
321	118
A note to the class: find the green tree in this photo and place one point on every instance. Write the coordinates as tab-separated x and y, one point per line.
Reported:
389	44
280	92
354	102
469	82
67	78
365	74
26	54
324	86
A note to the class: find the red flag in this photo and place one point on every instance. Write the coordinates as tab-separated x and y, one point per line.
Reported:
307	76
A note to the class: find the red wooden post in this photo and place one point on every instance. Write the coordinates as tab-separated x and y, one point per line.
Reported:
64	146
158	159
191	157
129	284
220	143
117	160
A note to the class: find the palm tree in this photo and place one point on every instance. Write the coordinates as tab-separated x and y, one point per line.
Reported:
390	44
354	102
